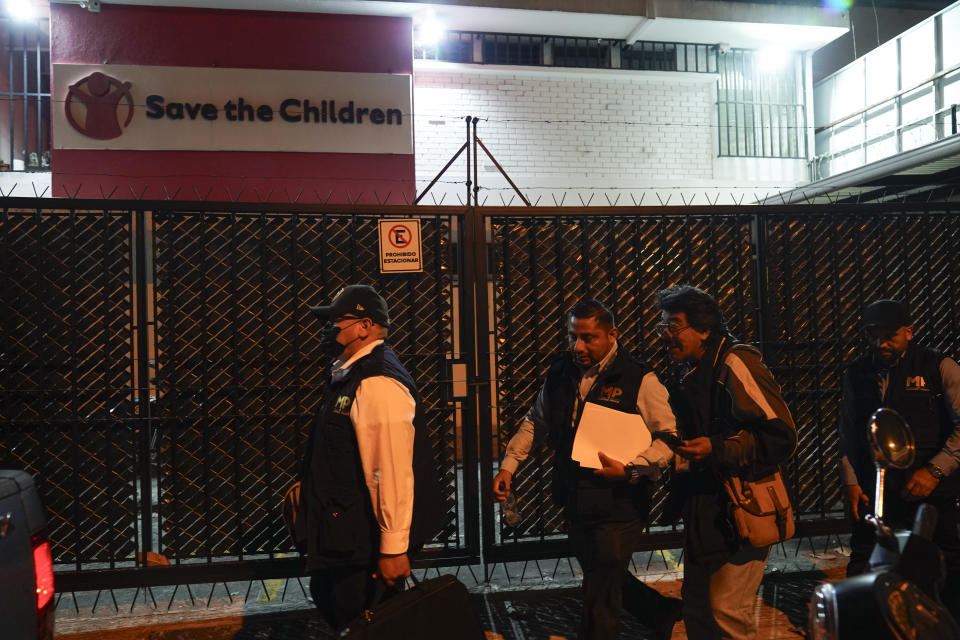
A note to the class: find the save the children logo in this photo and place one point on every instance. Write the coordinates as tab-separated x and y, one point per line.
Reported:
99	106
128	107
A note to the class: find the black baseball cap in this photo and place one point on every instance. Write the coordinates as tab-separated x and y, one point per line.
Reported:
359	300
885	314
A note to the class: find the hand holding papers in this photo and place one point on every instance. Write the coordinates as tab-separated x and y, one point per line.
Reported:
619	435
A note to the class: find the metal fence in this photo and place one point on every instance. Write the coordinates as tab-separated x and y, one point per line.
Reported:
790	279
159	369
544	262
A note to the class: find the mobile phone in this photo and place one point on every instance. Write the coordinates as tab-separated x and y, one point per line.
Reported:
672	440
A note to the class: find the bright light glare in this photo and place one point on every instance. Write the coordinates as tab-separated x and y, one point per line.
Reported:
837	5
429	33
774	58
20	9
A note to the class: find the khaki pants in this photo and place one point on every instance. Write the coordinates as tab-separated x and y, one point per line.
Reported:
720	597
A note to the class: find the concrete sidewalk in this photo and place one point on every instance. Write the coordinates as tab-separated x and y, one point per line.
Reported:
516	601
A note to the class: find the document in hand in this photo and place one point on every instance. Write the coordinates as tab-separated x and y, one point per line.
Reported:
621	436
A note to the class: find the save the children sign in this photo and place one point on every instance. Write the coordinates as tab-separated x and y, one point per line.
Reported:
213	109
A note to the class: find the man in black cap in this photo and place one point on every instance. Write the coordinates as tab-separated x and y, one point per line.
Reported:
358	478
922	385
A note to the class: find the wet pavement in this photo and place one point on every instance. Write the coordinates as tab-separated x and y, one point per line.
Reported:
515	601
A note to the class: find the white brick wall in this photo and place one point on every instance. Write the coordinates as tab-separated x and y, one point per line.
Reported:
557	130
576	137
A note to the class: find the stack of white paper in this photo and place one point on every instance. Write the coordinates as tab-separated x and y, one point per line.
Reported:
621	436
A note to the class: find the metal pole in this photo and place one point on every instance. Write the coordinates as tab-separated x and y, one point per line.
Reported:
878	493
144	417
502	172
26	105
442	171
10	101
476	178
39	107
467	145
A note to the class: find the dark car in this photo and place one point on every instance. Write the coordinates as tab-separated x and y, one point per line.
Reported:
26	566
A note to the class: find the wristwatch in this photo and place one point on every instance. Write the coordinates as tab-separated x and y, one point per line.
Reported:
934	470
634	472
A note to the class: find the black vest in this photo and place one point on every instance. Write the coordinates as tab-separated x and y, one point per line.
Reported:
915	391
341	526
579	491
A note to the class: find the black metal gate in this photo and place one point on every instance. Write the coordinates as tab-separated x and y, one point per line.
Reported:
159	367
790	279
543	262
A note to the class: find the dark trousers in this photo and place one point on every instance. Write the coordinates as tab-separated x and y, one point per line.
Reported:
342	593
604	550
899	515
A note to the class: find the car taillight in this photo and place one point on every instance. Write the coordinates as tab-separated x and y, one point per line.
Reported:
42	571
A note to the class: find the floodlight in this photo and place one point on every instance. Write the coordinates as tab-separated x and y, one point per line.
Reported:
429	33
20	10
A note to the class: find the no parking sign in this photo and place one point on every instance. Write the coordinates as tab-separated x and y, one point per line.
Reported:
400	248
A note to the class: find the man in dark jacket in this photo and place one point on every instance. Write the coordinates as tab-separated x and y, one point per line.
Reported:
735	423
358	478
607	508
922	385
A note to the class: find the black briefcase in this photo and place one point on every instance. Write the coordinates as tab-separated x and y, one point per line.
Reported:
438	608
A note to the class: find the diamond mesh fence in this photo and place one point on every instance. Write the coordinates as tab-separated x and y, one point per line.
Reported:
542	265
162	397
238	369
823	268
67	399
228	369
790	279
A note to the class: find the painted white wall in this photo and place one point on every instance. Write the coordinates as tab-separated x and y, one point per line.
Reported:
579	137
26	184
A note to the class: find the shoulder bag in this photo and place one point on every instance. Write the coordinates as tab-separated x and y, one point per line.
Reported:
760	509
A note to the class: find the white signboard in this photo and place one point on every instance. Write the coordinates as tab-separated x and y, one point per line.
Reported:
400	247
213	109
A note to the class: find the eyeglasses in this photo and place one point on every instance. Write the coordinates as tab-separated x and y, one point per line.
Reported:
672	328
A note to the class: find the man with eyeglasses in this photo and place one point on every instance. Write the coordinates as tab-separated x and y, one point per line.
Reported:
607	508
358	475
733	420
923	385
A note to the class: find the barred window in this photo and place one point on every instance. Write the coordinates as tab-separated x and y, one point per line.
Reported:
761	110
649	56
568	52
669	56
27	94
506	48
592	53
455	46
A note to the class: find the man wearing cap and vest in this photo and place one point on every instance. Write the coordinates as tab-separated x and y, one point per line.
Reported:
922	385
358	472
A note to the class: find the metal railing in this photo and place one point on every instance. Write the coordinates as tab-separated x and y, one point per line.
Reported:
569	52
898	97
